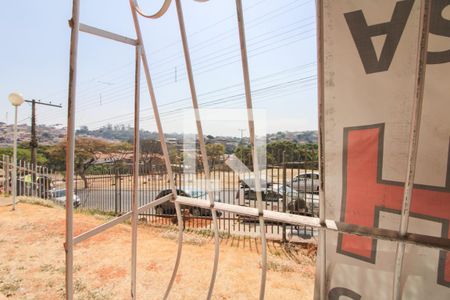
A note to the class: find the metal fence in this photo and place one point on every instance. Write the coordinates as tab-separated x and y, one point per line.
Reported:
289	187
32	180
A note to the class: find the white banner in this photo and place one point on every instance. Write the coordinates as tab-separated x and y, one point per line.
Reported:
370	54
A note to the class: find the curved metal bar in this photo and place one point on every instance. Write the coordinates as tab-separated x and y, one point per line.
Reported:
163	144
156	15
251	125
179	251
201	141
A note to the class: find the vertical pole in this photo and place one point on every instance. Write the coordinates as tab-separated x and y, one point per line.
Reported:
251	125
421	63
6	167
70	146
322	265
14	174
33	143
284	239
134	205
116	191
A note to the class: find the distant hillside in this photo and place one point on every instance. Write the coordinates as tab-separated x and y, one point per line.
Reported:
294	136
46	135
124	133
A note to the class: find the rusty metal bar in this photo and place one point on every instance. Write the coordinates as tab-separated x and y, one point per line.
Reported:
99	229
70	147
327	225
322	259
136	156
425	6
164	147
201	140
107	34
251	125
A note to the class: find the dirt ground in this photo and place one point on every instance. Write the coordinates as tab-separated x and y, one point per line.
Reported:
32	261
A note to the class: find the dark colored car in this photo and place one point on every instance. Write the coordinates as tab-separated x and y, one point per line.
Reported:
168	208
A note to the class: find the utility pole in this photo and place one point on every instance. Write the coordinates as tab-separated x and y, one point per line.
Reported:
242	134
33	142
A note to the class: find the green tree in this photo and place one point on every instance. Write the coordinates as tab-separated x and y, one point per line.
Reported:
24	154
243	152
215	154
151	152
87	151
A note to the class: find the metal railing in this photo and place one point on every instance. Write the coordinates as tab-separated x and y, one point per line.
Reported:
290	187
32	180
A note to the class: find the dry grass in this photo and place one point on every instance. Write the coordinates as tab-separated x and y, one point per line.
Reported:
32	261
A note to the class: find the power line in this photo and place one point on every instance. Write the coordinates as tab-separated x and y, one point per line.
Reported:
199	70
273	13
216	101
212	66
181	75
284	72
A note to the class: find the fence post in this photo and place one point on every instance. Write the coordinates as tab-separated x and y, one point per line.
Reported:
284	240
6	170
116	188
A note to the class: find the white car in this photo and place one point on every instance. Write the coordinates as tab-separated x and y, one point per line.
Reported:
59	196
272	198
306	182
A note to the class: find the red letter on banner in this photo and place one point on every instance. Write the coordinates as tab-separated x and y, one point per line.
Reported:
365	194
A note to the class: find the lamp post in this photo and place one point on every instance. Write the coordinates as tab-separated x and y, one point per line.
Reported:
16	100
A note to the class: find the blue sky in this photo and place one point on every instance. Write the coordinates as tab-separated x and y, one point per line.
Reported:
280	37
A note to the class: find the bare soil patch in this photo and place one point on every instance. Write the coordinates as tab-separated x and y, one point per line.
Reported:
32	261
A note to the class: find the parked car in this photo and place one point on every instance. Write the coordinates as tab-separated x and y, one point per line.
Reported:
59	196
306	182
168	208
272	197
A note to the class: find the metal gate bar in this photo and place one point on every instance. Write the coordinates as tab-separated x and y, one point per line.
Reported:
134	11
421	64
322	257
90	233
209	190
251	125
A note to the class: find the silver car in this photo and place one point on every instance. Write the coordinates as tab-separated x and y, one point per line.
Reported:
306	182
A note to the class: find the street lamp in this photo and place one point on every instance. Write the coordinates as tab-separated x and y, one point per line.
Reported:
16	100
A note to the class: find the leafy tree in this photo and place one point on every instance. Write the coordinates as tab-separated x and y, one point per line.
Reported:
117	152
244	153
151	152
287	151
87	151
215	154
24	154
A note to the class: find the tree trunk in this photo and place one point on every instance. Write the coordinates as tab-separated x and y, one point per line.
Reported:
84	178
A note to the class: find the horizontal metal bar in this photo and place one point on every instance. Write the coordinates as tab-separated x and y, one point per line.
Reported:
118	220
330	225
291	219
107	34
